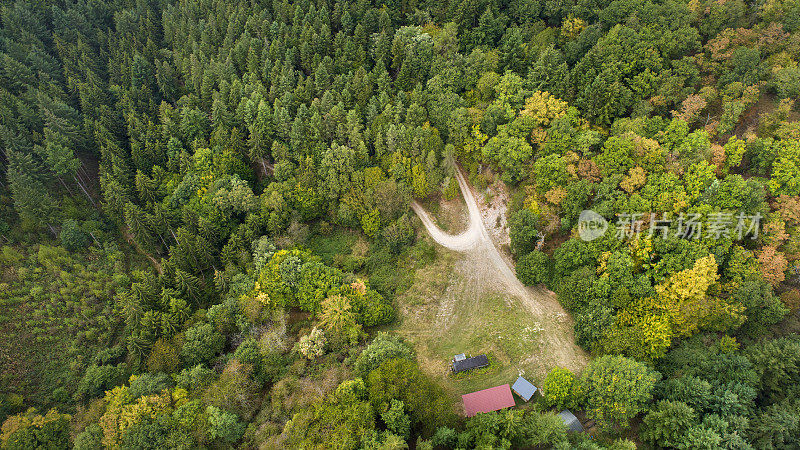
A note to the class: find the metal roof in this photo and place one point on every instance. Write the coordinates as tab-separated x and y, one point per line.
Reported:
524	388
460	357
470	363
571	421
487	400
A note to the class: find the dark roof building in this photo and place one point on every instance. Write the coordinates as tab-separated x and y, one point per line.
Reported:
487	400
475	362
572	422
524	388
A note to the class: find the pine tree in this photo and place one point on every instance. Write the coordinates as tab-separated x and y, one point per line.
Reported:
31	198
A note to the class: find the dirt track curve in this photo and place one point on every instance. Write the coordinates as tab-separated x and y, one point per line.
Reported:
541	303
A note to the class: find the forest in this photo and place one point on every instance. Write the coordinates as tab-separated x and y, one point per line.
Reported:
206	223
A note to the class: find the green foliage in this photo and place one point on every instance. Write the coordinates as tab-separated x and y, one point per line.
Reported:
509	153
149	384
786	171
559	389
313	344
333	421
396	419
384	347
296	278
614	389
214	151
513	428
98	379
667	425
534	268
194	378
523	231
762	307
72	236
223	425
154	433
31	430
401	379
90	438
202	343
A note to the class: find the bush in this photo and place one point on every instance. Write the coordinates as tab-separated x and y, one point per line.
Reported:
73	238
615	389
223	425
148	384
559	389
791	299
98	379
384	347
523	233
202	343
534	268
195	377
90	438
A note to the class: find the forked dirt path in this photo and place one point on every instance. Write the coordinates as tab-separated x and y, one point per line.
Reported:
476	243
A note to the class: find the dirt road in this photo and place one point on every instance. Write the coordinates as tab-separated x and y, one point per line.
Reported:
478	247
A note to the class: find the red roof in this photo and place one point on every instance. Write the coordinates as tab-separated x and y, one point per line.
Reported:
491	399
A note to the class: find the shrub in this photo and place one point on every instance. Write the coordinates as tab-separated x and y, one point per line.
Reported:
148	384
522	231
202	343
385	346
791	299
534	268
559	389
98	379
223	425
72	237
313	344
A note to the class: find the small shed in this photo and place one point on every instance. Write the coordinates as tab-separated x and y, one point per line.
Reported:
459	357
572	422
524	388
487	400
476	362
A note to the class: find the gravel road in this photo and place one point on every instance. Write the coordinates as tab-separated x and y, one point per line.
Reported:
541	303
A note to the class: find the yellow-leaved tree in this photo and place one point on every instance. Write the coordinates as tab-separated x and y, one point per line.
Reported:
683	305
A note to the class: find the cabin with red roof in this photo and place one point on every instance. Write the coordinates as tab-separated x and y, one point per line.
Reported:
487	400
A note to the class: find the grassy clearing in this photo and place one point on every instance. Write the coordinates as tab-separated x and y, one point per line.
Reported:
449	215
331	243
446	311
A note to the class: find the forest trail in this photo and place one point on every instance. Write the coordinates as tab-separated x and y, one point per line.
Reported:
477	245
129	239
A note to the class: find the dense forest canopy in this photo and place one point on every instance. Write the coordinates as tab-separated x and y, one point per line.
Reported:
205	221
